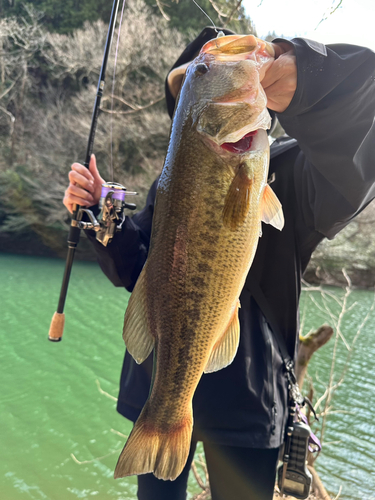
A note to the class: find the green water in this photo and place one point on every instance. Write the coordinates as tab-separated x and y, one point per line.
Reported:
51	407
348	457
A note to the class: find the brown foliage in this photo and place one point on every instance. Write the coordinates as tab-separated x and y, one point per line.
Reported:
47	91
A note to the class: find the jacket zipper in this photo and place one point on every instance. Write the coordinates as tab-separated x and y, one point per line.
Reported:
272	402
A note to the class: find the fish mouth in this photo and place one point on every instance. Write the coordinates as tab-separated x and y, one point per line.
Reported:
242	145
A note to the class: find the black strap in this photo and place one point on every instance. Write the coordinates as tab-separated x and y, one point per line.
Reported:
253	287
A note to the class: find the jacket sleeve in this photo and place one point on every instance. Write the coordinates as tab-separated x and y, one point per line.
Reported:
332	118
123	258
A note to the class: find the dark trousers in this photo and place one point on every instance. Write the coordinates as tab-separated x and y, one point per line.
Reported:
235	474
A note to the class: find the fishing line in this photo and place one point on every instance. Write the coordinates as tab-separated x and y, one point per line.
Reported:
205	13
113	87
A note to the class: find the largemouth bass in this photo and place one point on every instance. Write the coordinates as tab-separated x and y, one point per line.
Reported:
211	198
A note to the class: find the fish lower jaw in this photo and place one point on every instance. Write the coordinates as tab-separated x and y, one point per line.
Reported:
243	145
251	141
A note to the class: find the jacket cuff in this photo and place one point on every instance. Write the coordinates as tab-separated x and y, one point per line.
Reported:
310	59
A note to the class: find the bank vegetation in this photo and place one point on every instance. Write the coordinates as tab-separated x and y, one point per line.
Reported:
50	58
48	78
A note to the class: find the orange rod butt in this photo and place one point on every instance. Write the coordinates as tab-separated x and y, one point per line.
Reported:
56	329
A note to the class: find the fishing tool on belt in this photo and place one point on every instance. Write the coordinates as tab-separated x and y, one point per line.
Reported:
293	476
112	202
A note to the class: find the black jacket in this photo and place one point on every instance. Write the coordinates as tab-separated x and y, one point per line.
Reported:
325	173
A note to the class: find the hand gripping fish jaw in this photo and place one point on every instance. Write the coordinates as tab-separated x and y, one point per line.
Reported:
111	218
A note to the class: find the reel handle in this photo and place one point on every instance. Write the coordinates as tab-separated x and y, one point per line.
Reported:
130	206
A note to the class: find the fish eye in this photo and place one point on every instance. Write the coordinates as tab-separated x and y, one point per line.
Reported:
201	69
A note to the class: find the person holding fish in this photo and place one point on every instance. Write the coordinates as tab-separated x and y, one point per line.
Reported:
202	360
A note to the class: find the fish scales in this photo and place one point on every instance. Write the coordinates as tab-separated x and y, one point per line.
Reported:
209	205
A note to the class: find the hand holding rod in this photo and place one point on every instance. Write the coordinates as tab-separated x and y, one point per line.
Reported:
58	319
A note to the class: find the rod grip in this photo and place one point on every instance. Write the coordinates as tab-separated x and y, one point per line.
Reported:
56	329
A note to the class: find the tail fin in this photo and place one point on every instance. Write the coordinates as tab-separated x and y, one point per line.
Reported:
149	449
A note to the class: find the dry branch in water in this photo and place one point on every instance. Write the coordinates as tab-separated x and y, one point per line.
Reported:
104	392
309	344
123	436
96	459
318	487
204	484
324	403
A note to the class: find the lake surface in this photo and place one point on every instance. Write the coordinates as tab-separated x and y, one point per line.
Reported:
54	415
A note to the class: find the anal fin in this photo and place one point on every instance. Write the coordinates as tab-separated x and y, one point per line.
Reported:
225	349
136	332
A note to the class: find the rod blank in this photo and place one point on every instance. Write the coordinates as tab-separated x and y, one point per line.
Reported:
58	319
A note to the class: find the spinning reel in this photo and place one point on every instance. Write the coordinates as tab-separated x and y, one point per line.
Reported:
111	217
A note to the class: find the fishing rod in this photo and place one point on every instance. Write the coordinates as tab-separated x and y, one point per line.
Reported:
112	201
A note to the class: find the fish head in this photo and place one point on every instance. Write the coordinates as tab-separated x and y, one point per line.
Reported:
222	94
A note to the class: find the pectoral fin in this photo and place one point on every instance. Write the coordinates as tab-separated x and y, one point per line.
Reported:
136	333
237	200
272	212
225	349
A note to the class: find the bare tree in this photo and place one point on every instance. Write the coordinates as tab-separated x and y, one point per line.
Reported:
323	405
46	103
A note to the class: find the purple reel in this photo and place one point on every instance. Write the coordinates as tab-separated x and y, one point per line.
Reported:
117	189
